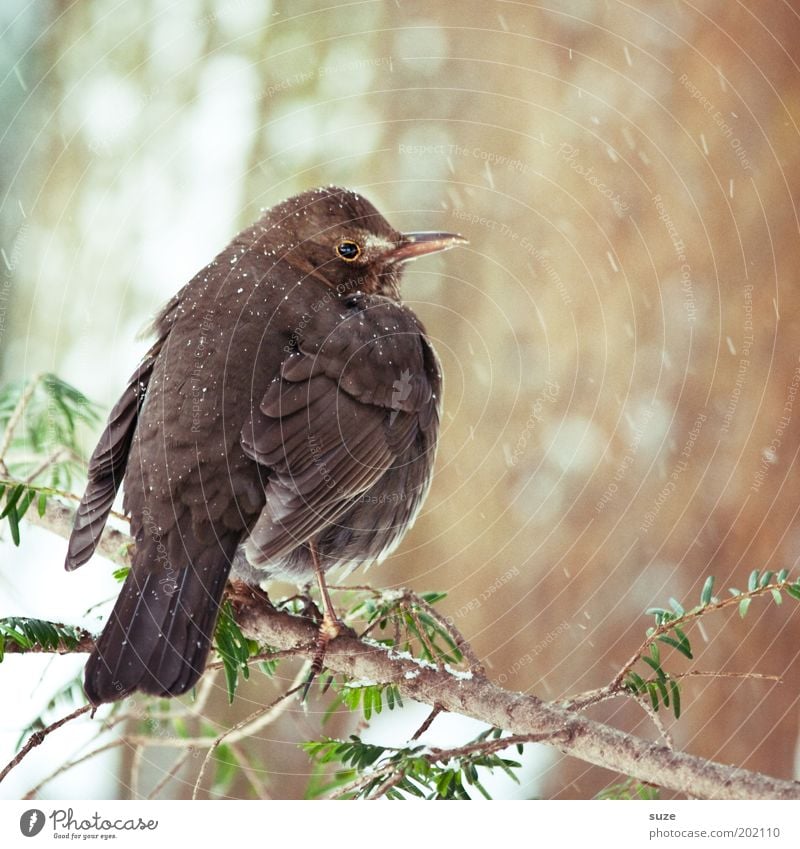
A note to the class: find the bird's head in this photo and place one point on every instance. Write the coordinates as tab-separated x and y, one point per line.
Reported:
340	238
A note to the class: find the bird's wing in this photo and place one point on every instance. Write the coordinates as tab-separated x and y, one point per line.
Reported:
109	459
346	404
107	465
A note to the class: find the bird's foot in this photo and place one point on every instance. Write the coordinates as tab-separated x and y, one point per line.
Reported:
242	593
330	628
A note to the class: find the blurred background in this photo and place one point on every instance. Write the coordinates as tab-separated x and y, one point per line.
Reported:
620	340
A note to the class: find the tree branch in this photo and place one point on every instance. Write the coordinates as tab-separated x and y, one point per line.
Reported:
471	694
518	713
58	518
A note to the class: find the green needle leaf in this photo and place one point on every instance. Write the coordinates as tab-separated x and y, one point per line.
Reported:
677	606
676	697
708	589
653	691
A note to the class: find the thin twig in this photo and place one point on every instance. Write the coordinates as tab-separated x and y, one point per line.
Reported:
31	794
170	775
357	783
437	709
656	720
603	694
204	690
617	685
38	737
688	617
59	519
697	673
136	766
270	654
54	492
408	599
490	747
252	723
250	771
426	642
475	666
391	781
589	698
16	415
443	756
208	684
49	461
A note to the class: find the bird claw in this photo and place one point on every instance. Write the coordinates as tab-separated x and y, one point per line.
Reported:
241	592
329	629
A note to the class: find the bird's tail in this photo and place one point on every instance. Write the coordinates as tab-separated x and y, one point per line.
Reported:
159	634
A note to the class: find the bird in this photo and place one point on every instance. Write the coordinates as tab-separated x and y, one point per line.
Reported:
284	423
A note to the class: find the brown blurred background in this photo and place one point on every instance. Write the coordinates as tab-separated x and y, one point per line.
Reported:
620	340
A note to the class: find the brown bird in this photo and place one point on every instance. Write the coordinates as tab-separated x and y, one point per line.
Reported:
284	423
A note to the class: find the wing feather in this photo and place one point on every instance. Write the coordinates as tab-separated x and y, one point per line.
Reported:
346	405
108	464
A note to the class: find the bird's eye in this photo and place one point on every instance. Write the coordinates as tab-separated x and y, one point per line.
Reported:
348	250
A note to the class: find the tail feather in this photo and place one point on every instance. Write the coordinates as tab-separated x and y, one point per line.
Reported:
129	639
181	658
159	634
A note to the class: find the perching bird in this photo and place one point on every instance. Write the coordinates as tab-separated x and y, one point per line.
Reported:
284	422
